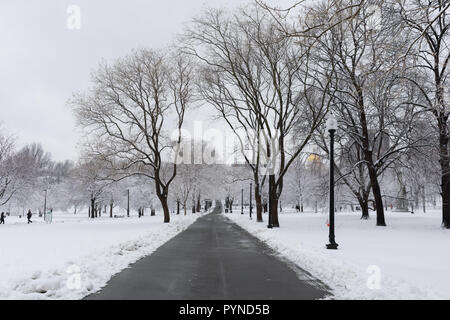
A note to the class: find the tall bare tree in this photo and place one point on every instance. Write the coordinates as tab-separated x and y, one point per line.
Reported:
375	108
129	112
428	55
256	80
89	173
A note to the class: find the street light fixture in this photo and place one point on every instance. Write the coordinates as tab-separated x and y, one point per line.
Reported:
332	126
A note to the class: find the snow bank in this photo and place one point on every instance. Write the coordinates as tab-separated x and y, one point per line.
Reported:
406	260
74	256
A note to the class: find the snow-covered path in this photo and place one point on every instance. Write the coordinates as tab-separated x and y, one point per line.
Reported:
75	256
213	259
410	255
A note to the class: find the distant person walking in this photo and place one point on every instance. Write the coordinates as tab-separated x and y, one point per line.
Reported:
2	218
29	215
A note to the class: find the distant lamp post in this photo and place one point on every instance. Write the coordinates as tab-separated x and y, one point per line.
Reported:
269	214
332	126
45	203
242	201
128	203
251	186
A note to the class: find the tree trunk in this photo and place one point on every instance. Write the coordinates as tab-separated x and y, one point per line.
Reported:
178	207
273	203
92	210
111	210
259	206
445	177
445	201
162	194
199	206
376	194
364	204
165	208
273	211
416	196
424	205
368	155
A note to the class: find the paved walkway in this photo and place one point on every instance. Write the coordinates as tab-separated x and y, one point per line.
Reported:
213	259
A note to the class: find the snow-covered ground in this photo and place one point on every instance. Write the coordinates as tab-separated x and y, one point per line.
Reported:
407	260
75	256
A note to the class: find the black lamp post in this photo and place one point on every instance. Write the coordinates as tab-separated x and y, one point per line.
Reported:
270	225
251	185
45	203
128	203
332	126
242	201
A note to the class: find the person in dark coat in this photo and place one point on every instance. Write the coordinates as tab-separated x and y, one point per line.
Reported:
29	215
2	218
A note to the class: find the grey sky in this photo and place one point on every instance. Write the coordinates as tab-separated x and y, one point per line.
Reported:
42	62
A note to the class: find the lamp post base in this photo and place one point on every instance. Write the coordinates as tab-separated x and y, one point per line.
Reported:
332	246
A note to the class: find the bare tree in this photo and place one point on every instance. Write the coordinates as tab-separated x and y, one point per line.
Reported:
7	181
299	27
429	55
305	183
186	180
30	171
128	112
255	79
376	110
88	173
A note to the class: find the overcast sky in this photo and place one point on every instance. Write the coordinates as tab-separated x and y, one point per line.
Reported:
42	61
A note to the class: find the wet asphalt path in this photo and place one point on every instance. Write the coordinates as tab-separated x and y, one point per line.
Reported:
214	259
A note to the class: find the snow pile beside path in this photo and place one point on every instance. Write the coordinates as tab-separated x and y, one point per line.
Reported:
74	278
402	261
